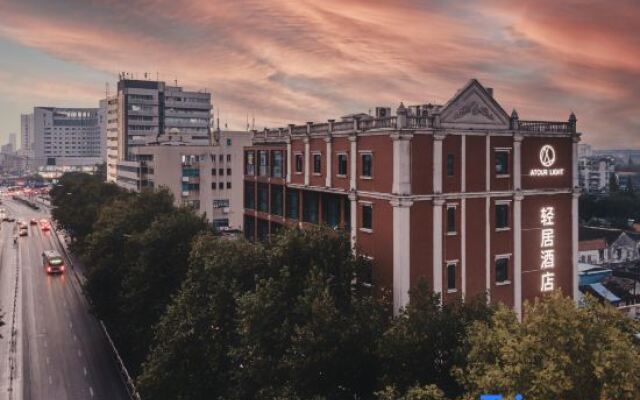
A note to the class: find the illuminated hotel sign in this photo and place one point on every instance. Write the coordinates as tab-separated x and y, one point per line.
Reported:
547	159
547	252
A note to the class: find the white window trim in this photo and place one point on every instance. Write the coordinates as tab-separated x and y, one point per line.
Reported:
448	206
446	267
295	156
342	153
370	204
497	257
360	154
503	203
313	161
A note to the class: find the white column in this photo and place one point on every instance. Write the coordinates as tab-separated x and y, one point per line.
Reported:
437	245
401	253
517	161
401	164
353	171
353	199
463	246
463	163
574	242
329	168
437	162
307	162
289	167
487	163
487	246
574	161
517	254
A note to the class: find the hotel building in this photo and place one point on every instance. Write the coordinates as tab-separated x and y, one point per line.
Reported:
463	195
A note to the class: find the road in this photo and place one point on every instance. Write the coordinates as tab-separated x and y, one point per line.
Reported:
58	350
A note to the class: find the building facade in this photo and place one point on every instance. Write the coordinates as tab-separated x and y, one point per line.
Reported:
207	178
65	136
460	195
26	132
596	173
141	111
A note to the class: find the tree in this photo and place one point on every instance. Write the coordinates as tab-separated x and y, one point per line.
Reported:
190	359
307	327
558	351
111	248
428	392
427	340
156	274
77	200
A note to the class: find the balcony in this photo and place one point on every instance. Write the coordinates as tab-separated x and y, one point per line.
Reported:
546	126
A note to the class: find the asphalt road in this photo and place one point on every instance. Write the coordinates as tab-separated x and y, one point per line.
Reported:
59	350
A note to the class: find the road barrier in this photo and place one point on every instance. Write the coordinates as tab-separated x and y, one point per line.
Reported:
26	202
124	373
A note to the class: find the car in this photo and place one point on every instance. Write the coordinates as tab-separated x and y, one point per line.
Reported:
45	225
33	221
10	218
24	231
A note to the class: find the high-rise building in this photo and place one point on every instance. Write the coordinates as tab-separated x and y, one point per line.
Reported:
65	136
464	196
142	111
12	141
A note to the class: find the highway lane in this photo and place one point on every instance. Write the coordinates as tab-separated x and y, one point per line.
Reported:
65	354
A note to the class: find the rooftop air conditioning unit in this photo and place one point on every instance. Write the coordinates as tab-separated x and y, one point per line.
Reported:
383	112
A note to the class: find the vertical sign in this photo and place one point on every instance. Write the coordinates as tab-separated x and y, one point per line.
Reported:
547	251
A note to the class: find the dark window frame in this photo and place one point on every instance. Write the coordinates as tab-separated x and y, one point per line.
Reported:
317	163
366	163
366	212
342	172
451	160
451	220
298	160
502	220
452	284
502	270
502	160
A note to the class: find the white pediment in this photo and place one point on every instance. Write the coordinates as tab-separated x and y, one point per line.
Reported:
473	107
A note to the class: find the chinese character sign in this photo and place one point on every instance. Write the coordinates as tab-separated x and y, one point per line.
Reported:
547	251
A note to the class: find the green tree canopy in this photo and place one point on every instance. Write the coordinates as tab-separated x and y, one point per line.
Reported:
558	351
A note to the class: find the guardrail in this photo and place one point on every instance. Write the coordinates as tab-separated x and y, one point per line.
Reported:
26	202
124	373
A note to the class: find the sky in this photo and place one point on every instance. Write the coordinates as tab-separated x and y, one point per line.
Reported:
292	61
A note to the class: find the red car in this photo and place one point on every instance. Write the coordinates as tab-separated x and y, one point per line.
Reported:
45	225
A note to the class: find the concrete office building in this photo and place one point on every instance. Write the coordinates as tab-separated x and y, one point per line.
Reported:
142	111
463	195
207	178
65	136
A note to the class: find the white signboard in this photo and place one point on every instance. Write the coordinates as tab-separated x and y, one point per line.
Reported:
547	251
547	159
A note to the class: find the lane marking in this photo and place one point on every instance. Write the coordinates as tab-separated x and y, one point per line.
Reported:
47	360
50	380
75	338
70	325
45	343
79	353
91	391
84	369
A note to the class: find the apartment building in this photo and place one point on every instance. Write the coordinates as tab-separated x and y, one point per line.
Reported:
142	111
463	195
207	178
26	134
65	136
596	173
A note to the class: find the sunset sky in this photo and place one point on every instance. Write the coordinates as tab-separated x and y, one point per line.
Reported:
301	60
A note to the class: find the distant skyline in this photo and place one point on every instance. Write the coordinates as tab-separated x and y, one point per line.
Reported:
298	60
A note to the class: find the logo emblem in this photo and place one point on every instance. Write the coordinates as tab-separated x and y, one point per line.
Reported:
547	155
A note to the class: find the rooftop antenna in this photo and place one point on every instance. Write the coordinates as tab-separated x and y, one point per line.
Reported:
247	122
176	81
253	122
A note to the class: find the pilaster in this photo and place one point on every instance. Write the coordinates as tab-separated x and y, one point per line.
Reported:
437	245
401	252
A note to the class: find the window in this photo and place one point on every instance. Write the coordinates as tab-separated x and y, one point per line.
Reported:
221	171
502	270
249	195
367	167
276	164
228	144
331	210
450	164
250	163
299	163
228	185
451	219
342	164
263	197
276	200
220	158
451	277
228	157
367	216
310	207
220	203
292	204
317	163
502	162
228	171
221	185
502	216
263	163
213	186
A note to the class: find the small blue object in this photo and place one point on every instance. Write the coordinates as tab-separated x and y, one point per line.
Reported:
519	397
491	397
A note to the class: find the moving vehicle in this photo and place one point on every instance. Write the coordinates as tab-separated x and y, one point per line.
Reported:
45	225
33	221
52	262
24	230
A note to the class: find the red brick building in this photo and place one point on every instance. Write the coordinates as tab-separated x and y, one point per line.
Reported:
462	195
